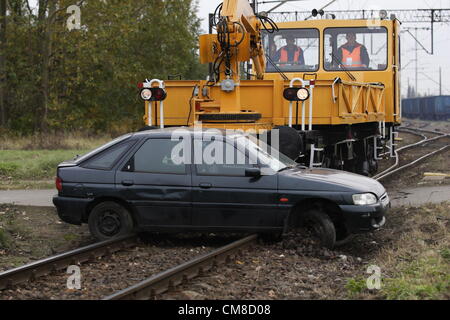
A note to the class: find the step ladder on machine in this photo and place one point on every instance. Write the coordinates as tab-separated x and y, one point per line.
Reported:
392	146
315	150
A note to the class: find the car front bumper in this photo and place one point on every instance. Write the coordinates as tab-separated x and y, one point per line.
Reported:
71	210
360	219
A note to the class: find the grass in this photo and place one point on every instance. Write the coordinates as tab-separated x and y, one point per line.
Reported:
20	164
4	239
31	162
38	142
355	287
416	265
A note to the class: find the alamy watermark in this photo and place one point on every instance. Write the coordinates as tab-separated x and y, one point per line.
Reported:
374	281
225	147
74	280
74	20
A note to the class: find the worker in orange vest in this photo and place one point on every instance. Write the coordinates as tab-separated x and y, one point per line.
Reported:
353	54
290	53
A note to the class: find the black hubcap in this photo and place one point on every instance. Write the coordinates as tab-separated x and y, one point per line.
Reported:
109	223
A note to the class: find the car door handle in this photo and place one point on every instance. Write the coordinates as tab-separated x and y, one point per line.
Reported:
205	185
127	183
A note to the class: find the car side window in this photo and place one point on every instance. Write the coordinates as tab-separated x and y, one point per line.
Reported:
225	164
155	156
106	159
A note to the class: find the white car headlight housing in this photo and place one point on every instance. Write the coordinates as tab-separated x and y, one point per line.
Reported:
364	199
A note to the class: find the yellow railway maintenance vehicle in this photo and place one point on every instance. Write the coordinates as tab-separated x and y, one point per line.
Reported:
331	106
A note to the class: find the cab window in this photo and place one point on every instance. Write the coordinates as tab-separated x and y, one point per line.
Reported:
292	50
363	49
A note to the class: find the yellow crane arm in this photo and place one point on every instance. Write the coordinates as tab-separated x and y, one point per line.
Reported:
239	39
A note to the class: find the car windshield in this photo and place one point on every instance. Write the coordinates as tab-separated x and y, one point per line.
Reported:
271	159
86	156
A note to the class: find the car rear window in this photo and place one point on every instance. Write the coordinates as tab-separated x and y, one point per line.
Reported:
102	148
106	159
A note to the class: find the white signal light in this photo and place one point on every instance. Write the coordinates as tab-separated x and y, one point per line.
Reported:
303	94
146	94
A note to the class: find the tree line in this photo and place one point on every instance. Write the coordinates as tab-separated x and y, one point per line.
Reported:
57	74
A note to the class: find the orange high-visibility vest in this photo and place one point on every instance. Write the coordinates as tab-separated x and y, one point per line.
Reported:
352	59
284	57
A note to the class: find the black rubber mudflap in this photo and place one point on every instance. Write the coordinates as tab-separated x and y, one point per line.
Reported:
230	117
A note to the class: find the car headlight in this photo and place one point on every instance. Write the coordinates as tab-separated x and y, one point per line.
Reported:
364	199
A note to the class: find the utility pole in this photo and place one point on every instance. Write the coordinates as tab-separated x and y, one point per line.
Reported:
417	66
440	81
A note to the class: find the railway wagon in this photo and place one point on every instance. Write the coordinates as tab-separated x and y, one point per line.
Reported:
441	109
436	108
411	108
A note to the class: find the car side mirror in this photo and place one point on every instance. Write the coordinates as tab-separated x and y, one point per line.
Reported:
253	172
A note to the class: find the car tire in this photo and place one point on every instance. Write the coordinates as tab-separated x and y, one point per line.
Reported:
322	226
344	241
110	220
343	237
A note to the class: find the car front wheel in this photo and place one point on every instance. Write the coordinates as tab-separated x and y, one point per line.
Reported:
110	220
320	224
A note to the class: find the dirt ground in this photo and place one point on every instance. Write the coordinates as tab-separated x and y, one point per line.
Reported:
32	233
412	253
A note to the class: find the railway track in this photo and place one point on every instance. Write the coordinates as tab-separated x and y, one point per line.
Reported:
60	262
167	280
147	289
426	140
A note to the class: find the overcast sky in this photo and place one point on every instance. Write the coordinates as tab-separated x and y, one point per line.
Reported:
428	65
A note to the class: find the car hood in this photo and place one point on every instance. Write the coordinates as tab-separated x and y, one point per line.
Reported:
300	178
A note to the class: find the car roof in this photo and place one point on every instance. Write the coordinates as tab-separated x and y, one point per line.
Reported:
168	132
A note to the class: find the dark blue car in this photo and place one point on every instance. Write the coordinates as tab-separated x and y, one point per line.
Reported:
150	181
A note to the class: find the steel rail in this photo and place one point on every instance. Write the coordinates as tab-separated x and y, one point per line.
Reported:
164	281
61	261
413	163
424	139
395	169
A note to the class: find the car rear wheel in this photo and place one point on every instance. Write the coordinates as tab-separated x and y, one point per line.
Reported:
110	220
321	227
